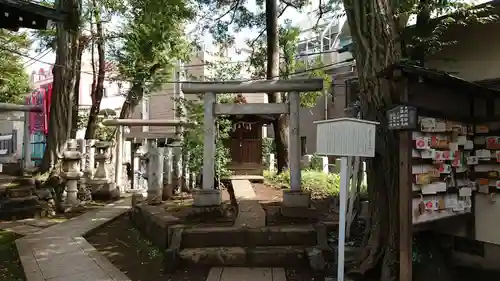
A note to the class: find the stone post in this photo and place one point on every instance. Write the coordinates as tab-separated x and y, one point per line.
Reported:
134	164
83	149
72	158
272	163
168	187
90	155
294	141
294	197
168	165
119	159
186	173
155	174
208	196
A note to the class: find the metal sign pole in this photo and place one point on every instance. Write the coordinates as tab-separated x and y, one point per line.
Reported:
344	185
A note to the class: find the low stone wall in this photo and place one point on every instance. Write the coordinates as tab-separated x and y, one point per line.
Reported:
155	223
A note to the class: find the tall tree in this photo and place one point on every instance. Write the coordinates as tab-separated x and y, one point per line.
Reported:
60	123
380	39
101	12
152	42
14	83
47	43
273	68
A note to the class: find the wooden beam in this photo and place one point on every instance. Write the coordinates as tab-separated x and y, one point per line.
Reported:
251	108
258	86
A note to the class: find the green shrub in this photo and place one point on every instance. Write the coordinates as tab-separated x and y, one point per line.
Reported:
320	185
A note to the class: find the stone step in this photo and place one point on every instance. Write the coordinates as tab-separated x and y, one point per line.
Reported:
20	191
15	202
277	256
248	237
20	212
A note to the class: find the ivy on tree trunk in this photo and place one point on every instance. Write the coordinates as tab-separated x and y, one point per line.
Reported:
64	71
98	91
76	98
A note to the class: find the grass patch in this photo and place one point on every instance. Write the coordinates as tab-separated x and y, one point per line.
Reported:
320	184
10	265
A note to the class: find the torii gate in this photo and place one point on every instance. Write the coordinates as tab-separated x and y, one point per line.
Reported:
209	196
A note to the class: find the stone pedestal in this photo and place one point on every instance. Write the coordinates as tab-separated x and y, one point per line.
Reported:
207	198
102	186
71	164
155	174
300	199
296	204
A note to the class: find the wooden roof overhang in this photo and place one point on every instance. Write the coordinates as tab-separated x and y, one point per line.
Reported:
456	89
17	14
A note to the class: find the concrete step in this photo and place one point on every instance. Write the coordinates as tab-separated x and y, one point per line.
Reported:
277	256
248	237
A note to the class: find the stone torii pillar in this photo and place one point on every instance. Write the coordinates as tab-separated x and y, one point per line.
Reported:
209	196
120	123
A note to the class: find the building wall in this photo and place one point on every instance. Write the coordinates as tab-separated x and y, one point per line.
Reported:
162	103
475	56
115	91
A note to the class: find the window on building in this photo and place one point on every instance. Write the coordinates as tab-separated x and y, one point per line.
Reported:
303	146
302	48
344	41
351	91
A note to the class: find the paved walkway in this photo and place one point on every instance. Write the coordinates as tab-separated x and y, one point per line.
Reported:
250	212
60	253
246	274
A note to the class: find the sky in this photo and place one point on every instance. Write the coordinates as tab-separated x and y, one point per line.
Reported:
291	14
304	19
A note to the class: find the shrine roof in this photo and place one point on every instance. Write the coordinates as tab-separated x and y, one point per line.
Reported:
24	14
442	79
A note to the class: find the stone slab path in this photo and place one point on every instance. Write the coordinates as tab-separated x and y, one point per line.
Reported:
250	212
246	274
28	226
60	253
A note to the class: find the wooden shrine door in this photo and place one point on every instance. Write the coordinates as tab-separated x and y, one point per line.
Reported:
246	144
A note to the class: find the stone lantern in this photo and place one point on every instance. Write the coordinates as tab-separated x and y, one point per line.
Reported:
71	164
101	184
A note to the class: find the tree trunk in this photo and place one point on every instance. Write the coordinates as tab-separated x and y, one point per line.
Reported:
374	32
273	60
82	44
98	91
63	85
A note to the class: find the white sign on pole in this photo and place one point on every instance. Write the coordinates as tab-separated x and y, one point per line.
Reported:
345	137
